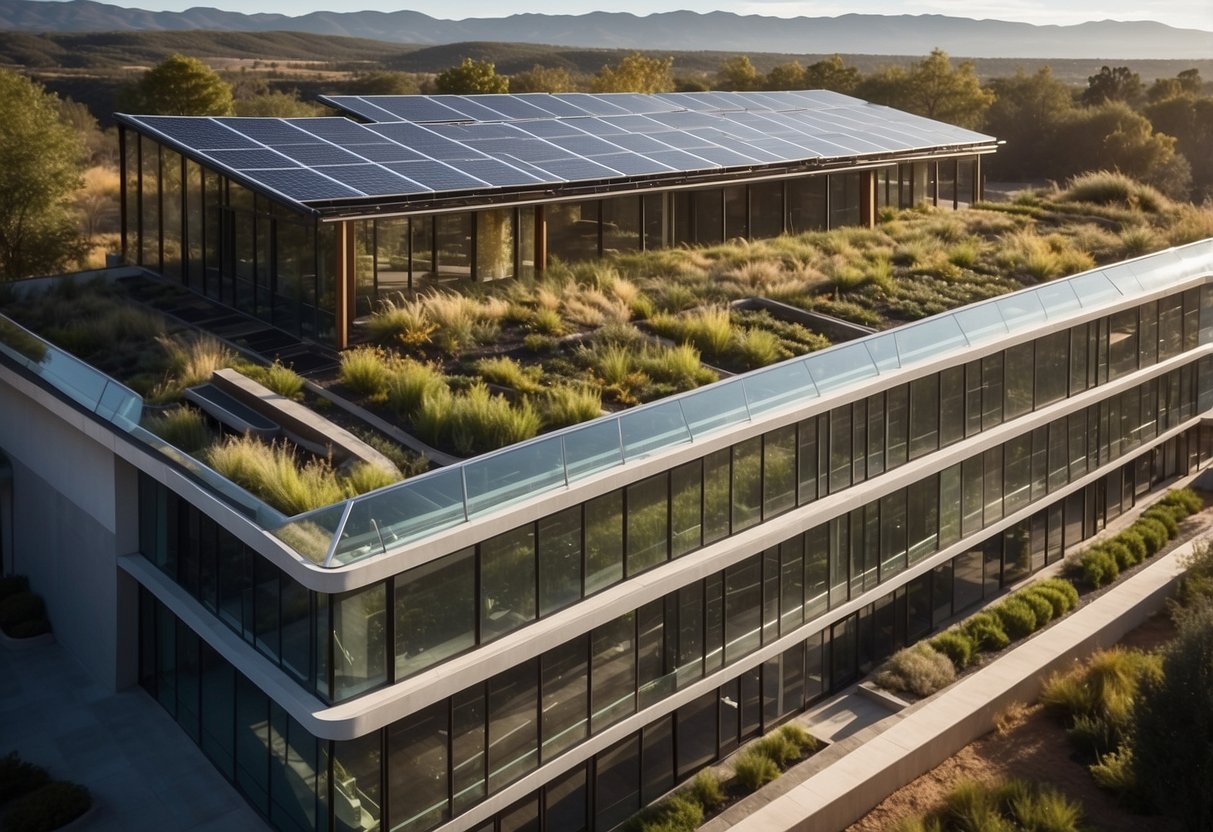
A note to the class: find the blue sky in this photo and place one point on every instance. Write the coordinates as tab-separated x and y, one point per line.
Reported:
1192	14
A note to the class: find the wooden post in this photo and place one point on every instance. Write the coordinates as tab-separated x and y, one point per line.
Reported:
346	283
867	197
541	240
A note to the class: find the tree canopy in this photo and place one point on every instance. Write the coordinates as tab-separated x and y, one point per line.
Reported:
1113	84
636	72
181	86
932	88
543	79
471	77
41	162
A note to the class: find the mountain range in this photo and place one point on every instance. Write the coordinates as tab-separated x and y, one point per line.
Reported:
682	30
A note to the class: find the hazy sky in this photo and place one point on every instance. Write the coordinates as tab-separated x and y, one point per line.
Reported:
1192	14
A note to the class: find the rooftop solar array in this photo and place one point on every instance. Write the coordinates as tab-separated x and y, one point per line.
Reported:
419	146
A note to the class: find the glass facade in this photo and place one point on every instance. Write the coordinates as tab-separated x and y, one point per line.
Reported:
447	757
198	227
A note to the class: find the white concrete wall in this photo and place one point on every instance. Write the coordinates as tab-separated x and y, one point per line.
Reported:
68	494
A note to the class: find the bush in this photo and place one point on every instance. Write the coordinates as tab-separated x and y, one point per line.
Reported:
677	813
1005	807
956	645
403	322
1114	771
408	383
1135	544
55	804
23	606
920	669
18	777
798	736
1164	516
1098	567
182	427
1067	590
1196	583
986	632
754	770
1017	617
1121	554
507	372
564	405
1153	533
777	748
1173	727
706	789
280	379
1186	497
365	371
474	421
1042	608
12	584
1055	597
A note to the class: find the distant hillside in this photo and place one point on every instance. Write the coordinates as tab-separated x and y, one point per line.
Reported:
852	33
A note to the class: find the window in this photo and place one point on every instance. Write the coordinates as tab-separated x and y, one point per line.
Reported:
559	560
648	527
359	641
603	541
513	739
924	415
507	582
778	471
613	651
742	608
417	769
1052	361
1018	380
435	612
564	684
686	507
747	483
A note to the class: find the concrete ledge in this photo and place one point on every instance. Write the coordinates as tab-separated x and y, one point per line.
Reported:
299	421
884	698
928	732
26	643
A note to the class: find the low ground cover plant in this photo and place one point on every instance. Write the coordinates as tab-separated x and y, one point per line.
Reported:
22	613
30	801
1000	807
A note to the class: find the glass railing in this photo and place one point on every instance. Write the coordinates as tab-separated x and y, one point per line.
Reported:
122	407
382	520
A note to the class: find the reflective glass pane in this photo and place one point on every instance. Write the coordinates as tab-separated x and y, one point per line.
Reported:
501	478
715	407
928	339
777	386
840	366
652	428
592	448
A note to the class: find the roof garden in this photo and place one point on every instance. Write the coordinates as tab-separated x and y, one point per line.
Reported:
513	388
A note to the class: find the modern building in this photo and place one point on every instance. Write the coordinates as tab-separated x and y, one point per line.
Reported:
552	635
306	222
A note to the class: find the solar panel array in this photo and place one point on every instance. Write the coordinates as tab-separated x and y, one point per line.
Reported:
420	146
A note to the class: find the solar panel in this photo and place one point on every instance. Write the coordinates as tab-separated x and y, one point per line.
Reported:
250	158
436	176
446	144
301	184
372	180
318	154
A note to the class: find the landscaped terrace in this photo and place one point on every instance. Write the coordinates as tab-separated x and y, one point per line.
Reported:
491	365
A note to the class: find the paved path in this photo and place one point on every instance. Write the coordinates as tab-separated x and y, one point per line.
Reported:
143	771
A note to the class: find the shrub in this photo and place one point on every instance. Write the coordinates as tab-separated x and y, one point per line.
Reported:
18	777
1166	518
1173	727
365	477
12	584
1055	597
677	813
758	348
21	606
409	382
1114	771
1187	498
565	405
1042	608
956	645
1121	553
1094	735
273	474
1098	567
1017	617
547	322
1067	589
1196	583
986	632
405	322
798	736
280	379
182	427
974	806
1104	187
507	372
1135	544
1153	533
1044	809
364	371
920	669
1000	807
54	805
777	748
474	421
706	789
754	770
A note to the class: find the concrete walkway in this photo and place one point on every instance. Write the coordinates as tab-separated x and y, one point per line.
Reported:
143	771
846	780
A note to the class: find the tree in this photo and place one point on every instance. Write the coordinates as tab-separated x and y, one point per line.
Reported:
41	161
737	73
543	79
471	77
1189	118
1113	84
1025	114
636	72
932	88
789	76
1115	137
181	86
275	104
383	83
1172	758
831	74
